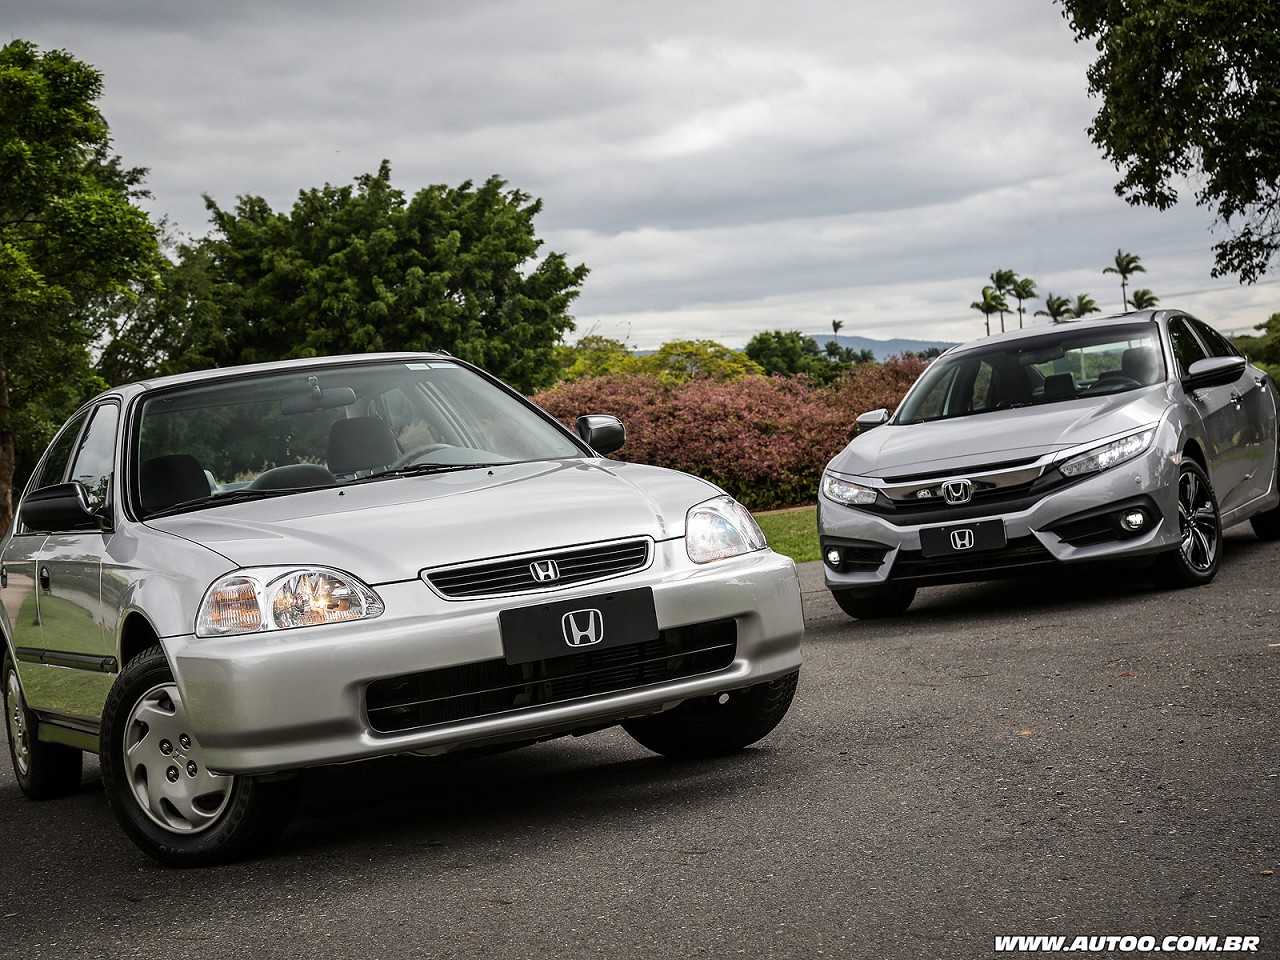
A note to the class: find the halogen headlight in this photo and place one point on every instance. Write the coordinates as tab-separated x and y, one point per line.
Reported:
280	598
719	529
1109	454
842	491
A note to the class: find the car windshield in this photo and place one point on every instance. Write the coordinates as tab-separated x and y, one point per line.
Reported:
299	429
1067	364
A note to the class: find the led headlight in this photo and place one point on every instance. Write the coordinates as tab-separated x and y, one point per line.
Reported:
280	598
1109	454
719	529
842	491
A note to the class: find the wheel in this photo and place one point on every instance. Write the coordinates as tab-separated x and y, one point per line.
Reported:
716	725
1195	561
43	770
172	806
1267	525
874	603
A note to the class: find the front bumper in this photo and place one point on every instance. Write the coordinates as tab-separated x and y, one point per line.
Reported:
268	702
1150	480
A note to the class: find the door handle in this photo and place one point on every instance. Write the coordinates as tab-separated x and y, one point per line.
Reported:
1261	383
4	577
44	578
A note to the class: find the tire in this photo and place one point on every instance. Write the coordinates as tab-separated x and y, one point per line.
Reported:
44	771
1195	561
876	603
235	817
705	727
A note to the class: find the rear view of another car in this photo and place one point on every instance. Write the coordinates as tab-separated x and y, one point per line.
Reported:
1140	436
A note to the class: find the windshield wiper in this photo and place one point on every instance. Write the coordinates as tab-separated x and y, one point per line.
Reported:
418	469
234	496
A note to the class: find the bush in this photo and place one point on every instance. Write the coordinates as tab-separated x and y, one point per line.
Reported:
765	440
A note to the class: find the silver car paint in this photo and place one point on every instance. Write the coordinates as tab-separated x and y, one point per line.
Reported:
285	699
966	443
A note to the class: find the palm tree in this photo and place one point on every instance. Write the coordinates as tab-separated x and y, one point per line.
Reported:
991	302
1002	281
1055	308
835	327
1024	288
1144	299
1125	266
1084	306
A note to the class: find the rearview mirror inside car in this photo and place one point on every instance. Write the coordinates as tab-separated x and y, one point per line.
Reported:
872	418
318	398
1214	372
602	433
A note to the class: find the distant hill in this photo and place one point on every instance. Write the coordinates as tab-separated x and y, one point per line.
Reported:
883	349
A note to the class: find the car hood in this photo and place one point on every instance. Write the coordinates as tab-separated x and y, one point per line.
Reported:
991	438
389	530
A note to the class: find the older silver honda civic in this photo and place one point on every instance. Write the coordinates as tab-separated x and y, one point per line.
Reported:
1141	435
219	578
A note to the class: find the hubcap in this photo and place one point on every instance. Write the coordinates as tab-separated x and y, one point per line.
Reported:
166	768
18	734
1198	521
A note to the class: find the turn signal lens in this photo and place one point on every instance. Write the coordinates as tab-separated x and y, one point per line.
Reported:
275	598
1109	454
720	529
846	492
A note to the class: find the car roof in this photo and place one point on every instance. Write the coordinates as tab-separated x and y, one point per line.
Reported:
1040	329
299	363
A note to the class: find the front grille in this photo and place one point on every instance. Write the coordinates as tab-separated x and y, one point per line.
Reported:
474	690
495	578
986	502
912	566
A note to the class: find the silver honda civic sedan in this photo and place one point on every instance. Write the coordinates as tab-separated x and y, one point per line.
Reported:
219	578
1142	435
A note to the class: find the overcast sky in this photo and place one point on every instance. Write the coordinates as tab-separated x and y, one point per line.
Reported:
722	167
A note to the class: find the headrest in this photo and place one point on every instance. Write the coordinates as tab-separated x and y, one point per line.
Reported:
170	480
1141	364
1060	386
292	475
361	443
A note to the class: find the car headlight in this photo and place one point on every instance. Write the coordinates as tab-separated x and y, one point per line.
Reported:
1109	454
257	599
843	491
719	529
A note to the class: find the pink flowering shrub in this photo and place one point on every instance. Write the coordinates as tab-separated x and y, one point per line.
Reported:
763	439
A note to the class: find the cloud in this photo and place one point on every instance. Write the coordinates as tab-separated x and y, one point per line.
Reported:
722	167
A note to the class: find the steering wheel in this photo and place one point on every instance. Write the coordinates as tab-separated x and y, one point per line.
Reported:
1115	382
412	456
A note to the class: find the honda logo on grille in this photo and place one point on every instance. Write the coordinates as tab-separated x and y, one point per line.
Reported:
962	539
582	628
545	571
957	491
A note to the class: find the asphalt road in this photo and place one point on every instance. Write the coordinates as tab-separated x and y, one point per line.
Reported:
1079	754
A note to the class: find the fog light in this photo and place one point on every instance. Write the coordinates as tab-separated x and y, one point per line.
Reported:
833	557
1133	521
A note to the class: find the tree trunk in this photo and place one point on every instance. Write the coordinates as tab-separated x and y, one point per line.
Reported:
1124	294
8	455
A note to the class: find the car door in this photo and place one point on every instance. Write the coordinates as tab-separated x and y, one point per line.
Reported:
1255	406
1220	415
18	566
78	656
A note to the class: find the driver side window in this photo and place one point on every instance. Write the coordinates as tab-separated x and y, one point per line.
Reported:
1186	347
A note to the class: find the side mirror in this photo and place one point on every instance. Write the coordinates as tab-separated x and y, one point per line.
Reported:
873	418
63	506
602	433
1214	372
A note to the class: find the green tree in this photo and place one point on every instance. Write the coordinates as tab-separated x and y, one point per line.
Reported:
1055	308
991	302
1144	299
1124	266
787	353
362	268
677	361
1190	91
71	240
1084	305
596	356
1023	289
1264	349
1003	281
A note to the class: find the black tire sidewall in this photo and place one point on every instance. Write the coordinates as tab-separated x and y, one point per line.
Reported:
24	779
1182	572
53	769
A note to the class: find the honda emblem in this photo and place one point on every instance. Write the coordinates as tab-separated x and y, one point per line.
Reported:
582	628
957	491
962	539
545	571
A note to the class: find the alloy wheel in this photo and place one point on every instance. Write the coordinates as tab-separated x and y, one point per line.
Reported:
18	731
1198	522
165	766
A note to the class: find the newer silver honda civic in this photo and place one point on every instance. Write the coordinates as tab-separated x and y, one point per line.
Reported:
219	578
1142	435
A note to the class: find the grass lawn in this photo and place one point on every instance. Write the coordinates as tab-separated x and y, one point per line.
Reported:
792	532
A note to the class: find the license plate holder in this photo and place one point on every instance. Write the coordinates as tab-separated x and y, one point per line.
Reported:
961	538
562	628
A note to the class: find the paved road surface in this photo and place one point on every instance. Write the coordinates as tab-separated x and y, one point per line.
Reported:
1081	754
